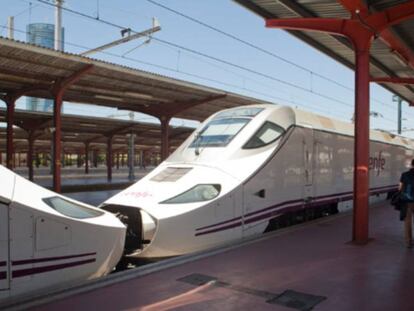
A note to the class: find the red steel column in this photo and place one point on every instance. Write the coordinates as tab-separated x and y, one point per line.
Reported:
361	156
86	158
30	140
58	90
78	160
109	157
95	158
57	137
165	137
361	36
10	104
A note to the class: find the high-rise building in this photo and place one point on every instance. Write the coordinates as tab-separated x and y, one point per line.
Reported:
44	35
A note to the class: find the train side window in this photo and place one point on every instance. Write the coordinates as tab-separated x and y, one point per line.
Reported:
71	209
266	135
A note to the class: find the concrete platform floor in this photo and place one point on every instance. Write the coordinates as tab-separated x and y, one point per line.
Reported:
92	188
315	258
76	175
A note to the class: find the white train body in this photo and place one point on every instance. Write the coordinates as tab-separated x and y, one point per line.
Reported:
244	167
48	242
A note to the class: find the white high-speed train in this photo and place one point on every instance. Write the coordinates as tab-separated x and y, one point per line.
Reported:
248	170
48	241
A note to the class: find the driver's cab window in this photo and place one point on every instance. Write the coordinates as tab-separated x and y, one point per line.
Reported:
266	135
220	131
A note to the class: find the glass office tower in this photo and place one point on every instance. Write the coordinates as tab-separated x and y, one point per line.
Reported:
44	35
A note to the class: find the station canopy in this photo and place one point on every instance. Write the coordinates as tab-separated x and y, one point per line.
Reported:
392	53
78	130
34	69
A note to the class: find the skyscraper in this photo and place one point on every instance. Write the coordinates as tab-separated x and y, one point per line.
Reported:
44	35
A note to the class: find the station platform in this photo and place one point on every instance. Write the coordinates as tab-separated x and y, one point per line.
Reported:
312	265
74	179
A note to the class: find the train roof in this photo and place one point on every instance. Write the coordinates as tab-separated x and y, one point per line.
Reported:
319	122
306	118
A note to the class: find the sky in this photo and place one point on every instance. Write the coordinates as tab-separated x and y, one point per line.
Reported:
284	71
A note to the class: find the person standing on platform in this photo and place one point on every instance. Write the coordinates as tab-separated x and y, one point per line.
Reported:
406	187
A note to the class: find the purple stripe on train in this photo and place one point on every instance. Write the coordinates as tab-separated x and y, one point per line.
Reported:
333	198
37	260
37	270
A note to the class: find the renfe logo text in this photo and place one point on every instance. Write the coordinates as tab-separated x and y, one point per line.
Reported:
377	163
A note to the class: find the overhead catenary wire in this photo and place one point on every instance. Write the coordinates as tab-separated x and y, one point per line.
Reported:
256	47
220	31
30	8
201	54
51	3
267	95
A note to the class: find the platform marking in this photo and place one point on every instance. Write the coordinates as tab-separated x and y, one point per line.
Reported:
289	298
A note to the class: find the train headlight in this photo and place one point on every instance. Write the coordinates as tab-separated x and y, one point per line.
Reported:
198	193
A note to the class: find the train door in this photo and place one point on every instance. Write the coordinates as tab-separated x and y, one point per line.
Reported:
4	248
256	196
308	163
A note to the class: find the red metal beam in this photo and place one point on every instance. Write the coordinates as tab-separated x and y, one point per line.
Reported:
394	80
34	124
176	107
335	26
111	133
386	18
63	84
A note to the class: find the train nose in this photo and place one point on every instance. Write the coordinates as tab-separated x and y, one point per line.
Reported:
140	225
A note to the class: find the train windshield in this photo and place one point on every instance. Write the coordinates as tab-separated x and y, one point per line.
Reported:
71	209
218	133
224	127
